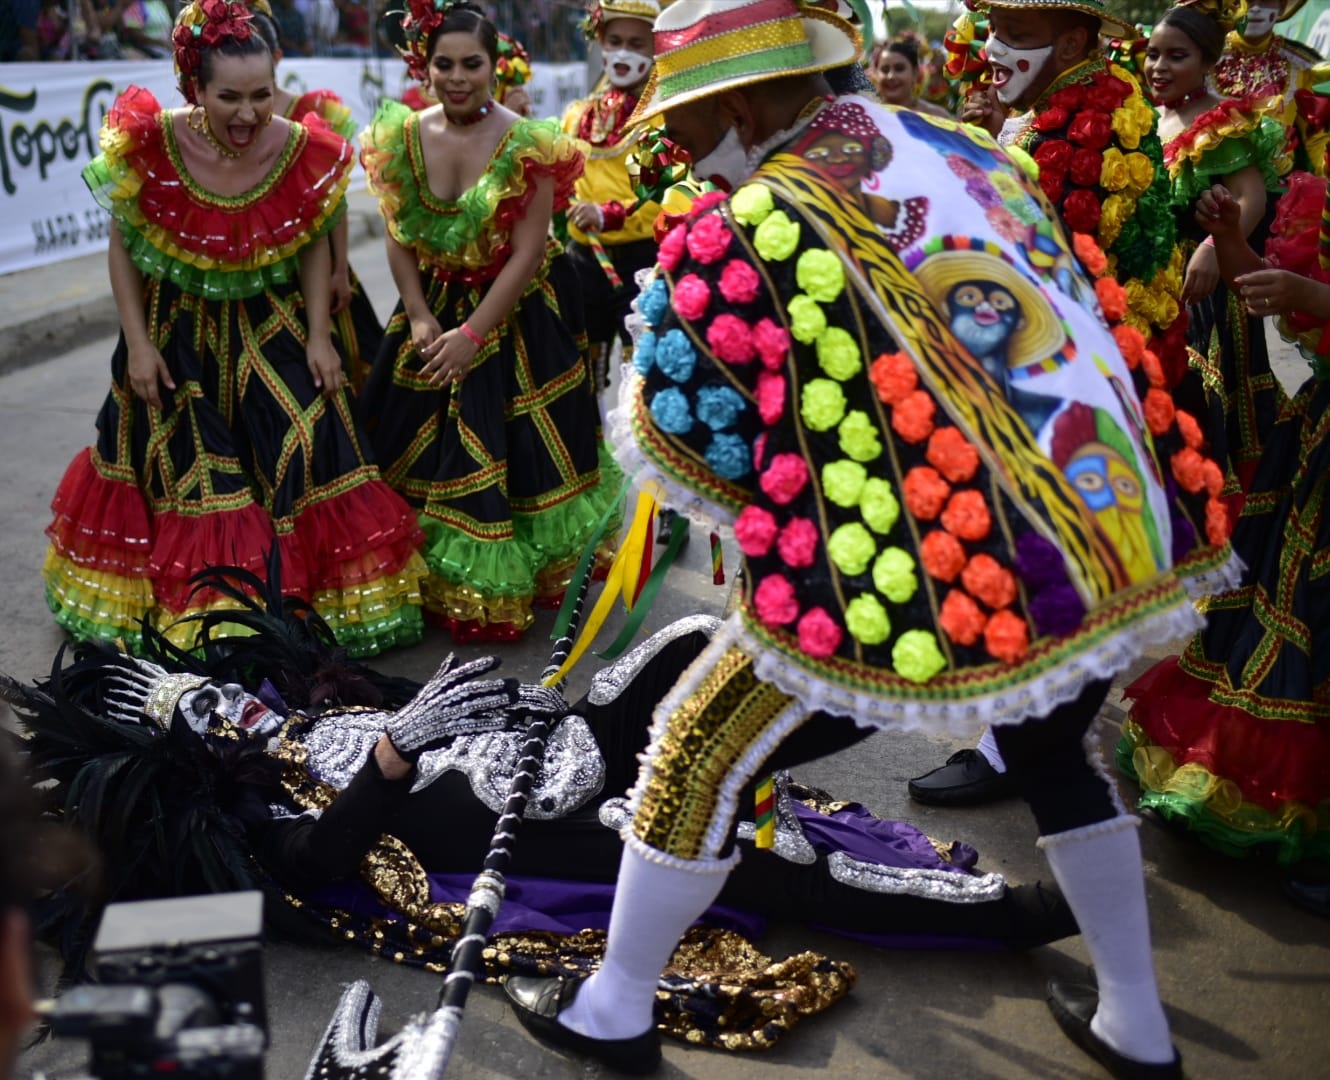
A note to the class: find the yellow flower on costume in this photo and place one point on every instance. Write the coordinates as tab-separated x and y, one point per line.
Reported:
1142	172
1114	175
1112	216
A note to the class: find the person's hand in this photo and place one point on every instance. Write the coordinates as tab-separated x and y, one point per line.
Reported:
586	216
325	365
341	289
1202	275
983	109
518	100
1219	214
455	702
1268	292
449	359
148	371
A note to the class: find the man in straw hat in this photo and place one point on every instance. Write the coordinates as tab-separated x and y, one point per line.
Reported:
604	193
1087	125
914	554
1258	62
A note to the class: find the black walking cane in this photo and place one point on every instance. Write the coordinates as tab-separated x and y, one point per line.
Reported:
420	1051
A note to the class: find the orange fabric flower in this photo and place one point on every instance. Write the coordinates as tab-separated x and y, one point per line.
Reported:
912	416
1131	343
1189	429
1213	478
961	618
1189	469
1217	527
942	555
1154	370
1006	637
925	492
1089	252
952	455
1159	411
966	516
988	580
1112	298
894	376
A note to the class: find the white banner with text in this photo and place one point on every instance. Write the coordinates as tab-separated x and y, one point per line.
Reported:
50	115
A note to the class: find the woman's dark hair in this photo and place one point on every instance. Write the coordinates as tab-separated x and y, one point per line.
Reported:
1204	32
254	45
466	18
266	27
907	49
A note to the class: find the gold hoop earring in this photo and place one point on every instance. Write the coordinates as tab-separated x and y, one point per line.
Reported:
198	121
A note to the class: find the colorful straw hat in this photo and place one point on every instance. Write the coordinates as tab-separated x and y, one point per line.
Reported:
599	13
706	46
1108	25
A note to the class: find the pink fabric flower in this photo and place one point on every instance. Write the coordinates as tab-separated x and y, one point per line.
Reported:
739	282
755	529
759	450
775	601
691	297
770	397
797	543
731	339
819	636
784	478
709	239
772	343
671	248
706	201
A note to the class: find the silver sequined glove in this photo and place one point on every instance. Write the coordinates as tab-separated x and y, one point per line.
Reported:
454	702
539	700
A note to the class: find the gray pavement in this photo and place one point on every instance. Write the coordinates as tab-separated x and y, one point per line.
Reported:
1245	975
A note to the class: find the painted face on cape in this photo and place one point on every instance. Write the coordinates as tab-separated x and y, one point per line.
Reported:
213	708
983	316
1113	492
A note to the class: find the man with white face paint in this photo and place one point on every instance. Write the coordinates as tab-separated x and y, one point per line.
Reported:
1042	53
604	193
1258	62
862	332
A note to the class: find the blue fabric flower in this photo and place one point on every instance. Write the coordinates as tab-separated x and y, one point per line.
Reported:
654	303
675	356
719	406
670	410
644	353
729	457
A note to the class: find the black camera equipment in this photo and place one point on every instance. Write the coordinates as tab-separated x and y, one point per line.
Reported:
179	991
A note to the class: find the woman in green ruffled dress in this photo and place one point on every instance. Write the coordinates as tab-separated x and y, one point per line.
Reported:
480	408
1211	140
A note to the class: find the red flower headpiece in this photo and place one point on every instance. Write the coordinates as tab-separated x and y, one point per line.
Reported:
205	24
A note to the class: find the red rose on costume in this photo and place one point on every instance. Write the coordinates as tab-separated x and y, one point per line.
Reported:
1069	98
1054	158
1091	129
1081	213
1053	188
1107	94
1086	165
1051	120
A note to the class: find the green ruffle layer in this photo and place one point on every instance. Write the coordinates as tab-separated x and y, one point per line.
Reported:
1261	146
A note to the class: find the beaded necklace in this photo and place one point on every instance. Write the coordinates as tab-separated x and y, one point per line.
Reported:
475	118
198	121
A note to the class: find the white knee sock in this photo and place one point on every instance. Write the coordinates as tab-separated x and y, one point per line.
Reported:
654	903
1099	870
989	748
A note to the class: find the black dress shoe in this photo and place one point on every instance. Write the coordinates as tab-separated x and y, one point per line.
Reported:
538	1003
1039	915
1073	1006
967	779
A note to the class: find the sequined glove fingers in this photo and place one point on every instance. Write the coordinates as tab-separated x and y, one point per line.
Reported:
455	702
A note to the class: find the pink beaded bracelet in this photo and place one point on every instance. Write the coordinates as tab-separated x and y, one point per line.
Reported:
475	338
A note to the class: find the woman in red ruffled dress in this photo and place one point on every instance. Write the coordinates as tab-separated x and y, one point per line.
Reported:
228	429
480	407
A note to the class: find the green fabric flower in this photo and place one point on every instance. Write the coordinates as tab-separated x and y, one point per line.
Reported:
843	482
851	548
867	621
893	575
751	204
822	404
879	506
838	353
820	274
916	656
777	237
858	437
807	322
